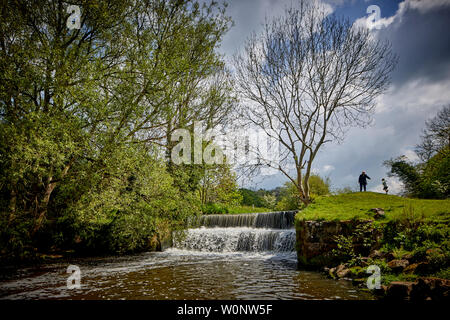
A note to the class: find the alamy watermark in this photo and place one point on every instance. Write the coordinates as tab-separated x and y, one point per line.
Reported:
373	281
374	12
74	20
74	280
235	146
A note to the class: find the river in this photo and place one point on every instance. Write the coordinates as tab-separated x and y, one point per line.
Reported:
233	257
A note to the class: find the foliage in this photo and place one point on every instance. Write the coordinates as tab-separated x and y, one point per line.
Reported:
214	208
269	201
290	198
429	179
436	135
85	115
250	197
246	209
347	251
218	184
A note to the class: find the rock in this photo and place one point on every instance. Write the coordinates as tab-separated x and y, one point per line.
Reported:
398	265
376	254
379	213
431	289
342	271
332	272
399	290
411	268
389	256
433	251
364	261
407	256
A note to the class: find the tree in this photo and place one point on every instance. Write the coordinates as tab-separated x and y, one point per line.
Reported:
269	201
250	198
435	136
429	178
306	78
70	99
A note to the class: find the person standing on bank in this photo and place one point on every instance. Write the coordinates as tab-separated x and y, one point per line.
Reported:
363	181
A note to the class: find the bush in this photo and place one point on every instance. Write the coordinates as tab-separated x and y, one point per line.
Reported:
214	208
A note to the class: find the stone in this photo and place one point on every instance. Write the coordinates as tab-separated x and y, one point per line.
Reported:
342	271
379	213
420	268
411	268
407	256
397	265
399	290
332	272
431	289
389	256
376	254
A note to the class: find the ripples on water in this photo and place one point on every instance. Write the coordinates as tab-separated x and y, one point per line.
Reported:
181	274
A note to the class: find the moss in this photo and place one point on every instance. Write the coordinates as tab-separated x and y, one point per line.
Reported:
358	272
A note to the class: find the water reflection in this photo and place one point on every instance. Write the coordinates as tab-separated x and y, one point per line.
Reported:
180	274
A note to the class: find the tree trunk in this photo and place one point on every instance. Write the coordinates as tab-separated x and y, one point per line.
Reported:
51	185
12	203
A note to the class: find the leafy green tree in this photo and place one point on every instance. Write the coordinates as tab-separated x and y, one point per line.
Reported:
79	108
219	185
269	201
250	198
289	199
431	177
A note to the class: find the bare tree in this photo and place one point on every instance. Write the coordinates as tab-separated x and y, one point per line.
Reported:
436	135
305	79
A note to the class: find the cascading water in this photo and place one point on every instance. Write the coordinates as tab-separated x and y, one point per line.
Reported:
256	232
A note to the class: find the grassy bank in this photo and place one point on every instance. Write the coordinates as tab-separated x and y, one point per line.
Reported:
357	206
410	242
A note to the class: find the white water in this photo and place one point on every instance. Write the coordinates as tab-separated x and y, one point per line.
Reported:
238	239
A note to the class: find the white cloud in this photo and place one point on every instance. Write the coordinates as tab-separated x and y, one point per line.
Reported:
394	186
423	6
327	168
410	154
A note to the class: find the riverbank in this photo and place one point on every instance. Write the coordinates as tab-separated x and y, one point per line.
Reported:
408	239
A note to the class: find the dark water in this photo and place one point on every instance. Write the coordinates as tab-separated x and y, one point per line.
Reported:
181	274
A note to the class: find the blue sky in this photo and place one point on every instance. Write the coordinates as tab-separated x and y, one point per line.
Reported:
418	32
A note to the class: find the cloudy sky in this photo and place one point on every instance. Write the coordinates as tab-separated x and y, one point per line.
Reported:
419	33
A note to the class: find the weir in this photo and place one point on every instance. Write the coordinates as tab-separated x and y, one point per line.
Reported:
276	220
253	232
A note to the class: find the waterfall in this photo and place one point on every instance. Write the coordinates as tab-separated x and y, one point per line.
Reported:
253	232
276	220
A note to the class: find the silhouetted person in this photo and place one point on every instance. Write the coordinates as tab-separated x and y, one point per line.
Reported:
385	186
363	181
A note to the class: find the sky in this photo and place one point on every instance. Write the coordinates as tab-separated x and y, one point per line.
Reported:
418	31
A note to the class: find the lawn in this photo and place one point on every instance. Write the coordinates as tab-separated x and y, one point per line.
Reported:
357	206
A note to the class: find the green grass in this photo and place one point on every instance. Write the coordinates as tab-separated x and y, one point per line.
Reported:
246	209
357	206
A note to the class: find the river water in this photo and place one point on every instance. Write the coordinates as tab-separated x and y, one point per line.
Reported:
241	257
